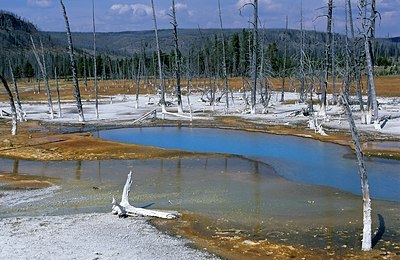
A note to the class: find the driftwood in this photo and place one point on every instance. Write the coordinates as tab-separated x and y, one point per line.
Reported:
152	113
124	208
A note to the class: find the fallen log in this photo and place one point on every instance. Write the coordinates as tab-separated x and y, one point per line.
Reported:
152	113
124	208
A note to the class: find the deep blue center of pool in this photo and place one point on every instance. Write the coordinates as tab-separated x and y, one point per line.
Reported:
297	159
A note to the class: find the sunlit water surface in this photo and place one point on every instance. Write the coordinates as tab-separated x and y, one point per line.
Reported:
308	196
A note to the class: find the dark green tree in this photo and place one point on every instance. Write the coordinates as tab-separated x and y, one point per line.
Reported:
28	70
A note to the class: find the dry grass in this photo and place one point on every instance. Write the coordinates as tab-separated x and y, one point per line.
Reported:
386	86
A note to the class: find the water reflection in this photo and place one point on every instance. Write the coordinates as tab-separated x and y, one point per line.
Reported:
15	167
232	191
78	170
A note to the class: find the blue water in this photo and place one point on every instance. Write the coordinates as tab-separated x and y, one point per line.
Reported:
297	159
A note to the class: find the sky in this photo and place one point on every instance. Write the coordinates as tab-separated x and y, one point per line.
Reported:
136	15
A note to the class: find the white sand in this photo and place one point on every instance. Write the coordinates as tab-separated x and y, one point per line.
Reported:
89	236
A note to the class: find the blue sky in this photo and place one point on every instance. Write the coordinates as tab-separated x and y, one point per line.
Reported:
130	15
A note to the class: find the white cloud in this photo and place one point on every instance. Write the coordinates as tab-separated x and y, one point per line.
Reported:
262	4
40	3
180	6
137	10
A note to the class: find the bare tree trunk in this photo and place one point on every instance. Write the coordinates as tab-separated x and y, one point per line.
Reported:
188	79
20	112
12	106
42	66
284	63
73	65
327	57
96	87
46	78
367	221
177	60
254	59
373	105
85	74
162	100
224	72
302	52
333	74
265	96
356	68
138	78
347	58
58	93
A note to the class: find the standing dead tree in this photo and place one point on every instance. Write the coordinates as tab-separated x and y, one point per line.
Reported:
12	106
177	60
327	57
73	65
367	221
58	93
42	65
138	74
254	62
96	87
20	112
355	66
254	55
284	62
366	27
224	72
162	99
302	54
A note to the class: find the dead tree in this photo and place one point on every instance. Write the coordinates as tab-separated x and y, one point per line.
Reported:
162	99
12	106
224	73
367	221
265	93
73	65
284	62
96	87
126	209
355	67
188	83
302	54
139	71
20	112
42	65
254	63
333	65
85	74
327	57
177	60
373	105
58	93
347	57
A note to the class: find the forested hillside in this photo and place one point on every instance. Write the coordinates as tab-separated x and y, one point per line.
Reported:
119	53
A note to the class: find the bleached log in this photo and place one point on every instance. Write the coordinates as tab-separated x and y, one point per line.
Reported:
146	115
178	115
125	209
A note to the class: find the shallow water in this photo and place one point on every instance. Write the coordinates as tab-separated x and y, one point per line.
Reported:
297	159
281	203
234	193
